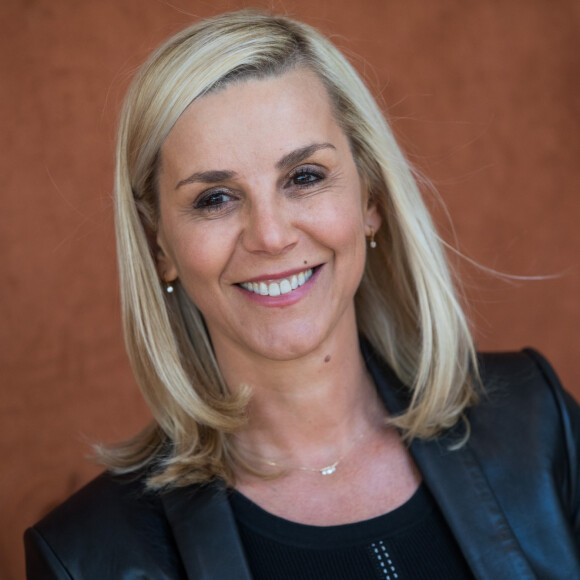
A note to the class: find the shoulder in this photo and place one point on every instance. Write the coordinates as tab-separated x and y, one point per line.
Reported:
106	498
523	387
527	427
117	516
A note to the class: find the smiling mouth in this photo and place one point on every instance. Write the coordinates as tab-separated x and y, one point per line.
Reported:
282	286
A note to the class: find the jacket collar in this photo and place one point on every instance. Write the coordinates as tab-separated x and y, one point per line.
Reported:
210	548
205	532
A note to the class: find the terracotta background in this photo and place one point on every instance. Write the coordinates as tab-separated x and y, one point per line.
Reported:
483	95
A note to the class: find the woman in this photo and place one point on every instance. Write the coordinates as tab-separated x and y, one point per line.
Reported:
318	405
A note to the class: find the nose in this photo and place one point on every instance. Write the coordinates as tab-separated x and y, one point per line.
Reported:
269	227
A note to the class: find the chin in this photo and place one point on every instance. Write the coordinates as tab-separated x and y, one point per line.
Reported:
287	347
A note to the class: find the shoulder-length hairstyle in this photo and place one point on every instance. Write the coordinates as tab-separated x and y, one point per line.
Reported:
406	304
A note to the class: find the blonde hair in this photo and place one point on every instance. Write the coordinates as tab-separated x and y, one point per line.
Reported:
406	304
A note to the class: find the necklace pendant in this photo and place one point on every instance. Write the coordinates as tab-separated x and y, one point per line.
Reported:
328	470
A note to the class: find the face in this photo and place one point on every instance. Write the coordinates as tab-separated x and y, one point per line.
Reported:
263	217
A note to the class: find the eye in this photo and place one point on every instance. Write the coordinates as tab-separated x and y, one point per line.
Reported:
213	201
306	176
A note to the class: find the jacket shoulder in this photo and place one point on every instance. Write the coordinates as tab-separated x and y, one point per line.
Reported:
521	383
112	523
527	427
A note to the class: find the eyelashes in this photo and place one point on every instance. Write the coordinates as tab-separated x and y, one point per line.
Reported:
221	199
305	177
212	201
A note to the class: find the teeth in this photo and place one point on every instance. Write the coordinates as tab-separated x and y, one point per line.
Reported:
284	286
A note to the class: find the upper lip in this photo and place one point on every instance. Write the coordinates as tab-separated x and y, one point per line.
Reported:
278	275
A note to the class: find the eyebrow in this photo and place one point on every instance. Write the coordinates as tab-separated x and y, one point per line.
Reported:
299	155
219	175
214	176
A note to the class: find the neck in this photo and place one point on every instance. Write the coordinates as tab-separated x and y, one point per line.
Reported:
307	411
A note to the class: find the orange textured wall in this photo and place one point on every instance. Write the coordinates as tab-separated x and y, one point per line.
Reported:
483	95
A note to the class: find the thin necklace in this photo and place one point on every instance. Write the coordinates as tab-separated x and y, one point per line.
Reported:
328	469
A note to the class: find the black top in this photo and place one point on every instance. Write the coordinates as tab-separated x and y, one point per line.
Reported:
410	542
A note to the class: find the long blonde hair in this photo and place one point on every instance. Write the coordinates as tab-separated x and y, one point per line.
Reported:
406	304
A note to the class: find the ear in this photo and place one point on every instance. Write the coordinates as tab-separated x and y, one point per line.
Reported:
372	217
165	265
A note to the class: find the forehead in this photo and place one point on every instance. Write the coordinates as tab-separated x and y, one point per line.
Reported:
265	117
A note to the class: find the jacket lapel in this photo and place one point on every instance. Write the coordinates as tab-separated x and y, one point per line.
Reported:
205	532
471	510
460	488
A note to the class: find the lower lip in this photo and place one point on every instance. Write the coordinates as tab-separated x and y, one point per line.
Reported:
284	299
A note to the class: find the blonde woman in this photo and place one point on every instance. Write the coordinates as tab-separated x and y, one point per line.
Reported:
319	408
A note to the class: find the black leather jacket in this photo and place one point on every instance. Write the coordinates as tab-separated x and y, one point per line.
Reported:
510	496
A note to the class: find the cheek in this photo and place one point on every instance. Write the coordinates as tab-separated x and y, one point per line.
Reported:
341	225
200	257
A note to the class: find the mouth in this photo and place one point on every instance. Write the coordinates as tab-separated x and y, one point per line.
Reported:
281	285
